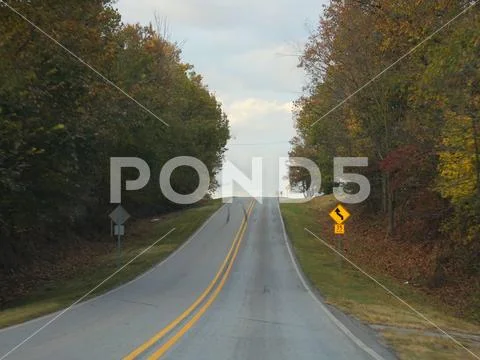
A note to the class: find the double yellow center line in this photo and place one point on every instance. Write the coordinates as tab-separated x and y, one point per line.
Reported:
224	269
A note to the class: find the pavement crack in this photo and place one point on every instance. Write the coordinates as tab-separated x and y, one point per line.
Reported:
264	321
138	302
269	322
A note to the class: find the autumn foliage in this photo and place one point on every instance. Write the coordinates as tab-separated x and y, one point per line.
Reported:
414	111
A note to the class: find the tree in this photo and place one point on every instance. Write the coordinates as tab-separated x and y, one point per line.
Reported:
60	122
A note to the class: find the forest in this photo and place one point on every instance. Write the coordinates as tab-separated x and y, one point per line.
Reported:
77	87
399	83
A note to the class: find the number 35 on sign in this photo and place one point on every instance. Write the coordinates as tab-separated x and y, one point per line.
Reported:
339	229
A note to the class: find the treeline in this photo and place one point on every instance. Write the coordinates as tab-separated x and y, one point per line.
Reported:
417	122
60	122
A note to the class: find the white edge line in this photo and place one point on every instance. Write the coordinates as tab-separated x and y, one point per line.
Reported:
332	317
123	285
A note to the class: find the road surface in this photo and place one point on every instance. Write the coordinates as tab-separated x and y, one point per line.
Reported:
232	292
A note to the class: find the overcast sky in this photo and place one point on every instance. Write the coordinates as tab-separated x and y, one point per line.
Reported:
245	50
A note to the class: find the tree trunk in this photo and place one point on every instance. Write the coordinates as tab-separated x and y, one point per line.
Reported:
384	193
477	151
391	212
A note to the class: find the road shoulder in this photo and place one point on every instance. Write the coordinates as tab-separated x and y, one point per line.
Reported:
359	303
363	335
58	293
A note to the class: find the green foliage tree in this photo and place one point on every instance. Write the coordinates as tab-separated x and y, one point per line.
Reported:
60	122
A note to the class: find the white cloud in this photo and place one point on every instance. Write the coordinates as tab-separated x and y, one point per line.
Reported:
253	110
260	128
271	68
269	17
243	50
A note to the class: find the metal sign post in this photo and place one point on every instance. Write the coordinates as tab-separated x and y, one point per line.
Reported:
119	215
339	214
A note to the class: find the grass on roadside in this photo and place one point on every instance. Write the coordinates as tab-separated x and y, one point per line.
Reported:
61	293
351	291
415	347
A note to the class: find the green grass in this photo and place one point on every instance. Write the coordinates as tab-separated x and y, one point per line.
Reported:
61	293
354	293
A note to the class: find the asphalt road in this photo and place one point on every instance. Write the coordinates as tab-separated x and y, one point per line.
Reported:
249	302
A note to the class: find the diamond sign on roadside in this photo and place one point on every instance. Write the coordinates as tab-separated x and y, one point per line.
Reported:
119	215
339	214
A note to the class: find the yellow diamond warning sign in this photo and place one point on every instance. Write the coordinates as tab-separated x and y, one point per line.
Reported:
339	214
